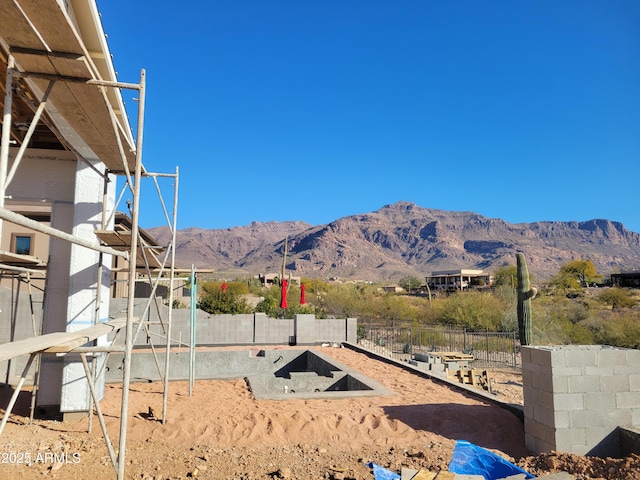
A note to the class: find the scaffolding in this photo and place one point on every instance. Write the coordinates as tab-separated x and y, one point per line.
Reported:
56	84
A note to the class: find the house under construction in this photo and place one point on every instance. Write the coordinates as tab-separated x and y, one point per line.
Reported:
65	141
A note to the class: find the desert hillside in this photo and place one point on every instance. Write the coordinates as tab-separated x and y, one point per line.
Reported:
405	239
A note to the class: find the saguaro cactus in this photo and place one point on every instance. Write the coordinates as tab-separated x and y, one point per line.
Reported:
525	293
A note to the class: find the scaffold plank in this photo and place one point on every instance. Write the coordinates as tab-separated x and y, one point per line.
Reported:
58	342
121	240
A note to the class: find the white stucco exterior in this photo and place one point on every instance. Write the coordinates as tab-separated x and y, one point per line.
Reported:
86	305
75	193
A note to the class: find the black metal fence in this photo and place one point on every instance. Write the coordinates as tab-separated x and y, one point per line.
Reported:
489	349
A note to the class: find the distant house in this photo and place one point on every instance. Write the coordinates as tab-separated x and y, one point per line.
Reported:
268	279
626	279
392	289
458	280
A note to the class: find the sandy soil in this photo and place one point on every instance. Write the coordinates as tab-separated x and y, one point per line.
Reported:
221	432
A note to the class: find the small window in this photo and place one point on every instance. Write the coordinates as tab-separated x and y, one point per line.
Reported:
23	244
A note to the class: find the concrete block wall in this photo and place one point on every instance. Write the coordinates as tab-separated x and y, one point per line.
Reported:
310	329
245	329
304	329
336	328
260	329
425	361
268	330
209	364
576	397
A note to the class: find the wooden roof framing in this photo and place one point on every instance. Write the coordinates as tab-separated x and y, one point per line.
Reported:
120	239
43	39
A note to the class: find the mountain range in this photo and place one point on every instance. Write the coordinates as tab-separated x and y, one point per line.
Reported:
403	239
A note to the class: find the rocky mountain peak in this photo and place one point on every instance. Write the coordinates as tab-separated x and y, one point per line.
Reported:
404	239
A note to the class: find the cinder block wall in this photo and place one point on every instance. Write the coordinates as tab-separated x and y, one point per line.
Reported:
17	325
254	328
576	396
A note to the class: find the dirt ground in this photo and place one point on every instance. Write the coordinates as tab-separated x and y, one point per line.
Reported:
222	432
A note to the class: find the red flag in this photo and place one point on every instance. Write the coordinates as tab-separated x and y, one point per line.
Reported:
303	289
283	294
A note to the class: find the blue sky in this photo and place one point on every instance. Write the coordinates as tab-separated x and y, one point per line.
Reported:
314	110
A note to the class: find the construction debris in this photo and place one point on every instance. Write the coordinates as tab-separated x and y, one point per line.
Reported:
468	462
412	474
474	377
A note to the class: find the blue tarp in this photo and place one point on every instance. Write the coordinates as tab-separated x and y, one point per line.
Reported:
380	473
469	459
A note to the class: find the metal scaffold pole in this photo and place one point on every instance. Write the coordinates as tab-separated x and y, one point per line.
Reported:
192	329
174	225
6	133
74	106
124	411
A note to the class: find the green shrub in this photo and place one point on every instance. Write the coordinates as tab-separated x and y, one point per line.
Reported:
219	302
473	310
617	297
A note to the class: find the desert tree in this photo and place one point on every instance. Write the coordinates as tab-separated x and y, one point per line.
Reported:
576	274
505	275
617	297
219	302
410	283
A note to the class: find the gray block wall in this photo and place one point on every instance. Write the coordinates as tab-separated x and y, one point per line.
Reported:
427	362
576	397
208	364
17	325
245	329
